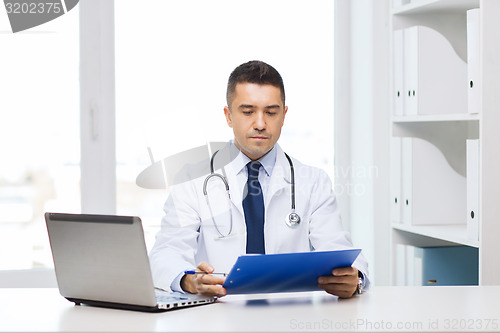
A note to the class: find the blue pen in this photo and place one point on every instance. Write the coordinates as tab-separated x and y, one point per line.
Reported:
198	272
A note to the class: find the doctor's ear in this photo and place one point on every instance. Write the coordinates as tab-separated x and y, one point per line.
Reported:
227	113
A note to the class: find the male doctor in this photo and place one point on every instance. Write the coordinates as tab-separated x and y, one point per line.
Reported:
210	235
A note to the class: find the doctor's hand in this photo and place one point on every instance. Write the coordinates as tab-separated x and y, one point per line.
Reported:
203	284
342	283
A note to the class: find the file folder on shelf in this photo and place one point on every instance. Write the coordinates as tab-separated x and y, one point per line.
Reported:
396	195
407	180
433	192
410	71
414	266
442	266
434	75
400	265
473	68
398	72
473	190
285	272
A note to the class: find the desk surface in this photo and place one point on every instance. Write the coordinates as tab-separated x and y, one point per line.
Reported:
403	309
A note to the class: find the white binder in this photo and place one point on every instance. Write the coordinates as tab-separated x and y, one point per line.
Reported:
398	72
433	192
407	180
400	265
395	153
473	69
410	70
434	75
473	190
414	266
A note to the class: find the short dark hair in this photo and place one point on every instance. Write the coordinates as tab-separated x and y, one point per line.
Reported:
254	72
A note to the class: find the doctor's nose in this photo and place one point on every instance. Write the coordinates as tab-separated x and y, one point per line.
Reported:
259	122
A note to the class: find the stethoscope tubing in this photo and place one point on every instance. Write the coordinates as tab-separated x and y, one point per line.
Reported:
292	179
292	219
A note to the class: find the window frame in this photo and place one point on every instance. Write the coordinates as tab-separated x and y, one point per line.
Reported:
97	107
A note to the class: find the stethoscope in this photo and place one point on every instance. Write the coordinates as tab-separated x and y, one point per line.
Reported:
292	219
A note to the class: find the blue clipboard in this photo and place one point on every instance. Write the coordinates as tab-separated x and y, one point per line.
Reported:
287	272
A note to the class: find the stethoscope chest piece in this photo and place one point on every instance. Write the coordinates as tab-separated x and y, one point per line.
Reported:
292	220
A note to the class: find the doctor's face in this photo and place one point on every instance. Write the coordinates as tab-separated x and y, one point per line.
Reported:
256	116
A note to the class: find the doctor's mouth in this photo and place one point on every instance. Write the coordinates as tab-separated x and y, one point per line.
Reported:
259	137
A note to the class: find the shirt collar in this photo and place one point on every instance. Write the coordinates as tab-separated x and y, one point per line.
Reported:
268	161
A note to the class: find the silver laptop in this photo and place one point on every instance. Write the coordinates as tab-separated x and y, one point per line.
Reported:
102	260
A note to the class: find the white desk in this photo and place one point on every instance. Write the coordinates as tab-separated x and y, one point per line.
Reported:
405	309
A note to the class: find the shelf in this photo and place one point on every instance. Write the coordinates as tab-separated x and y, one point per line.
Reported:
435	6
456	234
435	118
448	133
446	16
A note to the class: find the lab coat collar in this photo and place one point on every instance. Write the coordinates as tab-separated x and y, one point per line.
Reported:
237	176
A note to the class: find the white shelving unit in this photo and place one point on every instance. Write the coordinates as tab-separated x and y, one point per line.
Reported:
438	235
435	6
435	118
449	131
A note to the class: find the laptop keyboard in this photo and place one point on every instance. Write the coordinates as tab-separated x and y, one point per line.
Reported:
166	298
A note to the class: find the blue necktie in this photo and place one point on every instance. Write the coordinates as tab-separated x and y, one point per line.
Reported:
253	207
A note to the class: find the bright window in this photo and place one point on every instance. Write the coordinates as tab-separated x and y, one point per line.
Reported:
39	135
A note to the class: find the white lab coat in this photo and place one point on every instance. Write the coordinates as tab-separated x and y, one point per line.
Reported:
188	235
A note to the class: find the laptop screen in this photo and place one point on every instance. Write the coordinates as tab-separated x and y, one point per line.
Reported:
101	258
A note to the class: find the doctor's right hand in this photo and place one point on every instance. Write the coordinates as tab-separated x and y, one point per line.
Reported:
203	284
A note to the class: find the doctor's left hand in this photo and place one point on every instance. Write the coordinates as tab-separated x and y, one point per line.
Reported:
204	284
342	283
